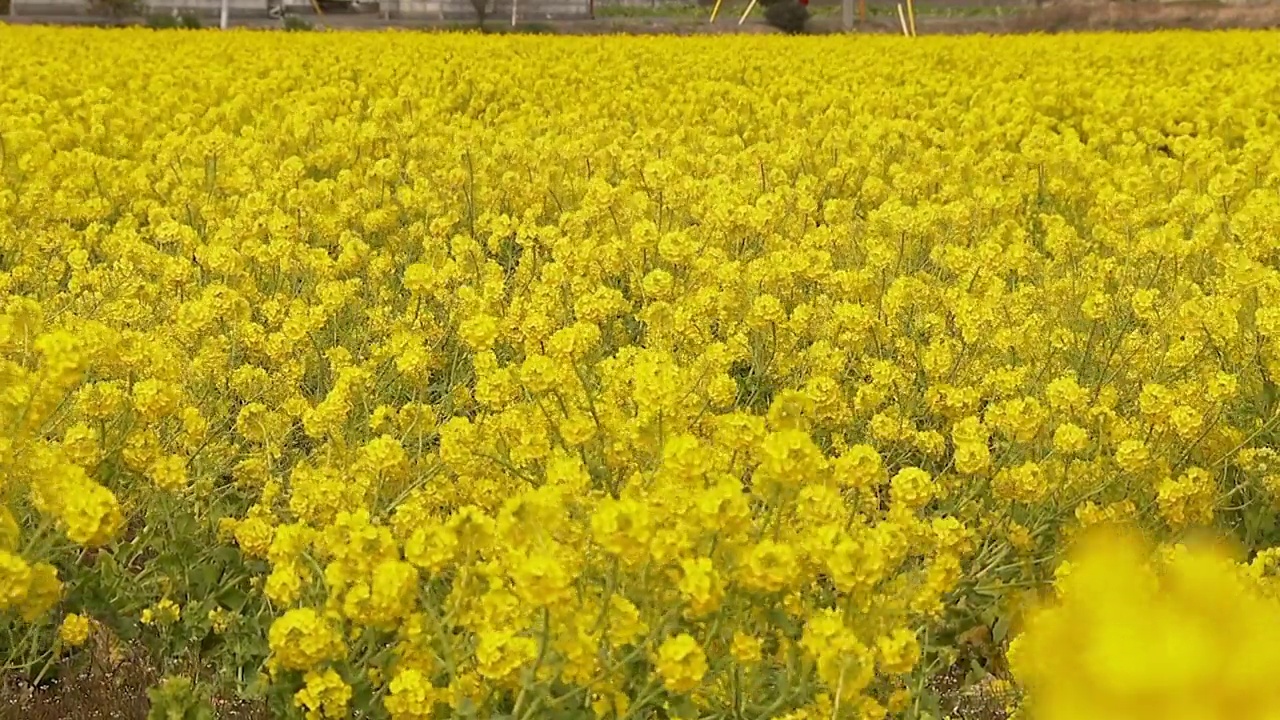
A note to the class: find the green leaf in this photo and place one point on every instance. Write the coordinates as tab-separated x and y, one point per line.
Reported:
930	704
1001	629
226	555
204	578
233	598
988	616
683	707
975	673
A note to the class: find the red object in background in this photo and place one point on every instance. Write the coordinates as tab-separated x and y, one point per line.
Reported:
804	3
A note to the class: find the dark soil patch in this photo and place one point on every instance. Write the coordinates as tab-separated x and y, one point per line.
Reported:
96	686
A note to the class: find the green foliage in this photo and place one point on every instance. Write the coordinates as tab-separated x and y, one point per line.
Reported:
161	21
177	698
297	24
788	16
534	28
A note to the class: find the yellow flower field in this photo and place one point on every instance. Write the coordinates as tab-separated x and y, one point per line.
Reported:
406	375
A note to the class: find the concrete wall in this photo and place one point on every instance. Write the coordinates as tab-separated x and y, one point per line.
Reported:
498	9
459	10
545	9
49	7
641	3
204	8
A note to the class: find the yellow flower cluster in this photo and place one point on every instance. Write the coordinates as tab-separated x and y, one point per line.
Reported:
551	377
1188	634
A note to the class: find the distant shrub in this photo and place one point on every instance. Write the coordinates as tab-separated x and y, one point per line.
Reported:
788	16
161	21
